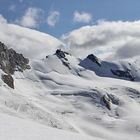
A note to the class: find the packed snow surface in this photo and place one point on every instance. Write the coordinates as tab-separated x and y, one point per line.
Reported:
67	98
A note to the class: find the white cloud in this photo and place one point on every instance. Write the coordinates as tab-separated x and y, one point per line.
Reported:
31	18
53	18
128	50
82	17
12	8
114	40
2	19
29	42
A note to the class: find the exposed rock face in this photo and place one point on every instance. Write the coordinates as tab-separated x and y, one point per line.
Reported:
11	61
8	79
114	99
66	64
62	55
125	74
107	101
94	59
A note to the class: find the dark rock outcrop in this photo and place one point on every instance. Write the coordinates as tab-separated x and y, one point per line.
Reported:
106	101
115	100
94	59
66	64
61	54
8	79
10	61
109	99
125	74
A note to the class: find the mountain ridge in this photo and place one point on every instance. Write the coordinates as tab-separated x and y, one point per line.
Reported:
74	94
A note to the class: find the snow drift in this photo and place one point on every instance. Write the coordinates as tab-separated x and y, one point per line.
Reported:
60	91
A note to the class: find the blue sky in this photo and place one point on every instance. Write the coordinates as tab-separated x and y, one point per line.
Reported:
57	17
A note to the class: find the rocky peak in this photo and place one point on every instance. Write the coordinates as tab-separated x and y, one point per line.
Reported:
11	61
61	54
94	59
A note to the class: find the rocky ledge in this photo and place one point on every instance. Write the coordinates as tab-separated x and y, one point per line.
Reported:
11	61
62	56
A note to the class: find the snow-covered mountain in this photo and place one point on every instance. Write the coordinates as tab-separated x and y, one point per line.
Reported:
86	98
31	43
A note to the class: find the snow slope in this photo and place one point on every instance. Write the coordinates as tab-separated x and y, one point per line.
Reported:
70	97
18	129
71	100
